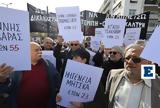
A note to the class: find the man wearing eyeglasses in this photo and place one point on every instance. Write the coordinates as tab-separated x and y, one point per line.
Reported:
114	61
126	89
65	54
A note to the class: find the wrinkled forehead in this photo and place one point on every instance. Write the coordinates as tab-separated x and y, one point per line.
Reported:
74	42
48	40
107	49
133	52
114	50
35	46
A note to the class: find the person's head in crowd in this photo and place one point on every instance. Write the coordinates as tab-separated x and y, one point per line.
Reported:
116	53
133	61
65	44
48	43
59	39
81	55
36	52
106	52
87	44
74	45
140	42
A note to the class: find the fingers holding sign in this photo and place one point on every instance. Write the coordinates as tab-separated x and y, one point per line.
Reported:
77	105
5	70
73	104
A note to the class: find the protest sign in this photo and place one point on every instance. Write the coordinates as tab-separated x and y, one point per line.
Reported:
151	51
69	25
91	20
91	62
100	32
15	38
132	34
95	43
136	21
141	21
49	56
80	82
41	20
114	31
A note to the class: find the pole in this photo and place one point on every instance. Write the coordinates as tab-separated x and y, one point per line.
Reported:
47	23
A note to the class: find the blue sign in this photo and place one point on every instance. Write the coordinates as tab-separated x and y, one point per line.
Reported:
148	71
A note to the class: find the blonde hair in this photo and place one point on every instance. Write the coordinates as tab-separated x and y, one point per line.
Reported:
141	42
134	46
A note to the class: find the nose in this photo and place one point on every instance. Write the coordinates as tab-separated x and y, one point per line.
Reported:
129	61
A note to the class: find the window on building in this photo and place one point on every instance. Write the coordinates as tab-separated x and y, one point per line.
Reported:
133	1
151	1
132	12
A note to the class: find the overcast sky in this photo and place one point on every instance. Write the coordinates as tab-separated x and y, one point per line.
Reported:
92	5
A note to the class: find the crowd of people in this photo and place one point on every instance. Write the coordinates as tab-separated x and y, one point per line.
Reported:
120	86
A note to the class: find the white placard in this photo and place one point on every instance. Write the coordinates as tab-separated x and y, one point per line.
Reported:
151	51
114	32
132	34
95	43
100	32
91	57
49	56
15	38
91	52
69	25
80	82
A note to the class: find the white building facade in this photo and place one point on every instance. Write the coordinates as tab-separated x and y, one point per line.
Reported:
122	7
134	7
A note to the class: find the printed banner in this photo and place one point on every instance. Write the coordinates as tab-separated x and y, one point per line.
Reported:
136	21
91	20
41	20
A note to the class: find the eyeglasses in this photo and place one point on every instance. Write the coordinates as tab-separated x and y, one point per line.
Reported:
134	59
113	52
74	44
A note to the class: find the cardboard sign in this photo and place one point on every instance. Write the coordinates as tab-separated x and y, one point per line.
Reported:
132	34
114	31
80	82
15	38
151	51
69	25
49	56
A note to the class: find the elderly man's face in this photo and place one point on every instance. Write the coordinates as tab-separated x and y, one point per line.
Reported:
114	55
74	45
133	62
36	52
48	44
